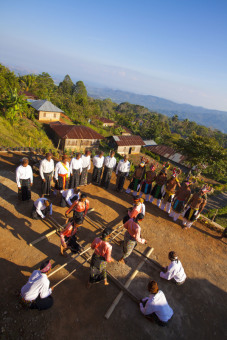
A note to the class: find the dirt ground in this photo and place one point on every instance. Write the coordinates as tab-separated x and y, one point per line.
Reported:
199	305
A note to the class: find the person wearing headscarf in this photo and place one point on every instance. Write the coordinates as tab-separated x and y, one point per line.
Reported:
122	172
41	208
157	191
109	165
181	198
134	210
146	186
138	176
132	236
155	307
174	271
170	189
46	171
75	167
79	209
36	293
98	161
62	174
100	258
24	179
69	196
86	165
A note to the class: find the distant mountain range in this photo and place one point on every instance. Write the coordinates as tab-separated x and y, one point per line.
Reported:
211	118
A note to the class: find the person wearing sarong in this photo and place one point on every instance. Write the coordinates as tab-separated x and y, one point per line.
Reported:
100	258
68	238
24	179
36	294
86	165
41	208
170	189
134	210
132	236
146	185
155	307
109	165
195	206
122	172
98	161
156	192
62	174
46	171
138	176
174	271
181	198
69	196
79	209
75	168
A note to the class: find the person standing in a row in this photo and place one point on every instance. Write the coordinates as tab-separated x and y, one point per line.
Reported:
98	161
62	174
24	179
86	165
46	171
75	168
109	165
122	172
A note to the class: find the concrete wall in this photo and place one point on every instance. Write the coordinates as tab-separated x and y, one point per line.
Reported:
81	144
126	149
53	116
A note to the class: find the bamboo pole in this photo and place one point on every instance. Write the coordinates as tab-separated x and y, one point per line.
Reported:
127	284
122	287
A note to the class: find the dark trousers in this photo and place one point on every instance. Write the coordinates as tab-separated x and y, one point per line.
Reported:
96	175
106	177
36	216
120	180
42	304
46	186
75	179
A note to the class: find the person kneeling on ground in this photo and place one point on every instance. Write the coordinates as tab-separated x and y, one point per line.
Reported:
36	294
69	196
68	238
155	307
101	256
41	208
175	271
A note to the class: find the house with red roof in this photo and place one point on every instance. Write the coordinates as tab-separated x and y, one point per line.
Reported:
126	144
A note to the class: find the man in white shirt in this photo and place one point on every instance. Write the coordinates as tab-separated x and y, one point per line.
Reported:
46	171
109	165
36	294
69	196
86	165
75	168
98	161
175	271
41	208
24	179
62	174
122	172
155	307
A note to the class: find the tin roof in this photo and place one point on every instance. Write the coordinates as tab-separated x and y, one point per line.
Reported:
105	120
150	142
44	105
167	152
128	140
75	131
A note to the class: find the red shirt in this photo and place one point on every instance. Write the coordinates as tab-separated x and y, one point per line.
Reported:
134	230
102	248
79	207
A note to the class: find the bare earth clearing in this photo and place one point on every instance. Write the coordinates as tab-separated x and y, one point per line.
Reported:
199	305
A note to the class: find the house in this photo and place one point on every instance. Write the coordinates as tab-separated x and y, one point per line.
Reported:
75	137
124	131
126	144
105	121
47	111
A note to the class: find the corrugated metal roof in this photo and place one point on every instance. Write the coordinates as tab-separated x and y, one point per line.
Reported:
105	120
167	152
150	142
44	105
75	132
128	140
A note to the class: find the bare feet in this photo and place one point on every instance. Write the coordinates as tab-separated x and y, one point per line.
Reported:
122	261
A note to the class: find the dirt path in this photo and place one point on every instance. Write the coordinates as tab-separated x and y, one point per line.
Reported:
199	305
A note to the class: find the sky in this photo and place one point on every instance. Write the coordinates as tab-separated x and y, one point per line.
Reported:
174	49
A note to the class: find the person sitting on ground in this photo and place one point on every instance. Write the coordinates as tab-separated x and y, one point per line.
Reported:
69	196
175	271
132	236
100	258
41	208
134	210
68	238
155	307
79	209
36	294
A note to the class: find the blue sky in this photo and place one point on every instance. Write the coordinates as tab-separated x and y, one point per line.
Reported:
175	49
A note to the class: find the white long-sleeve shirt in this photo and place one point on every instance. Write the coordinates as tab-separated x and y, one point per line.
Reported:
38	284
123	167
39	204
175	271
157	303
23	172
143	209
110	162
75	164
98	161
60	169
68	195
46	167
86	161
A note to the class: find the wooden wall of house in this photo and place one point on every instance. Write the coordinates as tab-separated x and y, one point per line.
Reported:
49	116
81	144
132	149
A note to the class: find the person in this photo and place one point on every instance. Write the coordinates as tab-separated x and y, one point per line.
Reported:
109	165
46	170
100	258
75	168
195	206
156	192
36	293
41	208
122	172
181	198
143	208
138	176
62	174
146	186
79	209
68	238
24	179
132	236
170	189
86	165
155	307
69	196
98	161
175	271
135	209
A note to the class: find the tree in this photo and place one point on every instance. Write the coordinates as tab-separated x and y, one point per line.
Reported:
80	93
28	82
66	86
14	106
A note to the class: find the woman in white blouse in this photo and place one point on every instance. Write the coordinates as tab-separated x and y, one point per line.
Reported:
24	179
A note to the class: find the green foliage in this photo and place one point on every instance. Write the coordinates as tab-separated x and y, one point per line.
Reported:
66	86
149	153
13	106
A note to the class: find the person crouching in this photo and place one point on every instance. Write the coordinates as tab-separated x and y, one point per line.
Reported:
175	271
41	208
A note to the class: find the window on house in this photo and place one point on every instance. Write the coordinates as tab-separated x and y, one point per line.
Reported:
55	115
44	114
